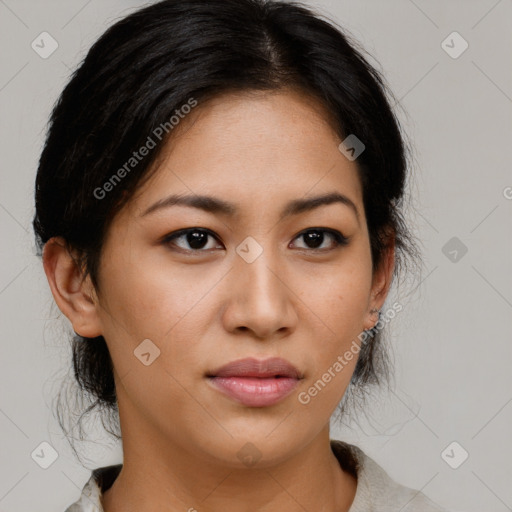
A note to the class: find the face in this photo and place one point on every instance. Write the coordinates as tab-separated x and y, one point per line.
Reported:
260	271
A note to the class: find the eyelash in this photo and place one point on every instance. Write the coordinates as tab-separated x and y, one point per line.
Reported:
338	238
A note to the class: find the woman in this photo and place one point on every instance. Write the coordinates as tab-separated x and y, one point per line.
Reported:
218	212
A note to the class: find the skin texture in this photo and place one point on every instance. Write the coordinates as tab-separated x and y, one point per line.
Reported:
204	309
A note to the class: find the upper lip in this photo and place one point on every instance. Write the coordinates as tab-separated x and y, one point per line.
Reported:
251	367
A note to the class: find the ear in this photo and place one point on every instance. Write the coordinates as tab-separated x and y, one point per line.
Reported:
75	296
381	282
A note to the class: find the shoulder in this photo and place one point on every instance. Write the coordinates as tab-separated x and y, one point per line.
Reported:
100	480
376	490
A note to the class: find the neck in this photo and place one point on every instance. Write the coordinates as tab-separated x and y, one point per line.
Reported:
158	474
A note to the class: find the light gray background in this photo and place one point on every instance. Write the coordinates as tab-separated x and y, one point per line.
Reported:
452	342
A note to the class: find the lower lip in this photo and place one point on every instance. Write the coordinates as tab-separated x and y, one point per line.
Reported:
255	392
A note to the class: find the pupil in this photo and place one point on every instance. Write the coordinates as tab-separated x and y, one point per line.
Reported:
314	238
196	239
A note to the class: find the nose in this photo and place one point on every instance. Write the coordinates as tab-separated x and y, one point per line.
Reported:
260	300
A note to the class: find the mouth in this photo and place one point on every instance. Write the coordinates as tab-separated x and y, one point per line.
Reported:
256	383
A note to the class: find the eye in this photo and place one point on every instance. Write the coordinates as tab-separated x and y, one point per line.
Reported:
195	238
315	238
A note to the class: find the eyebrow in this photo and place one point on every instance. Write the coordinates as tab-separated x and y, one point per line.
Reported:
215	205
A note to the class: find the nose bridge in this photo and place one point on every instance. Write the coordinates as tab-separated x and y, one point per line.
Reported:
259	299
254	267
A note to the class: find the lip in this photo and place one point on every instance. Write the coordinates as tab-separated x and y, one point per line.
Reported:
256	383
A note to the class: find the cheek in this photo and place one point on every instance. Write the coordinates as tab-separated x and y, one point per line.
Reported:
340	301
341	295
148	296
149	299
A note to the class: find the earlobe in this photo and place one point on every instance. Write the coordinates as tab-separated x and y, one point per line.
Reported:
74	295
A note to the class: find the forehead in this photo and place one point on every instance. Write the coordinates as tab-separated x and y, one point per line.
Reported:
253	146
